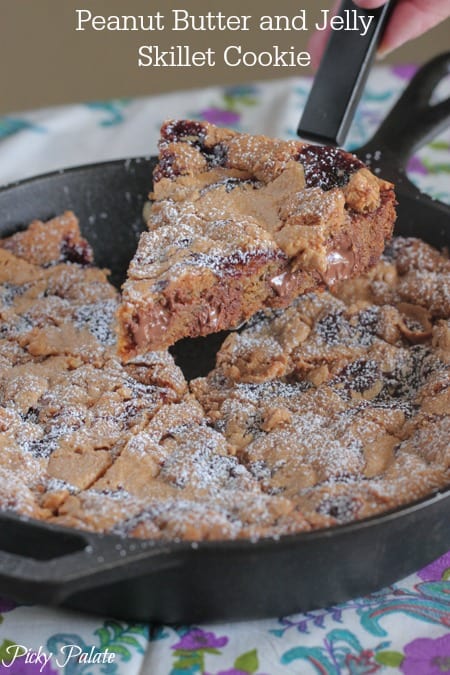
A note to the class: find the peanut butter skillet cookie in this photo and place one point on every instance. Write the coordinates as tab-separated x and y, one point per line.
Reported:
329	404
330	410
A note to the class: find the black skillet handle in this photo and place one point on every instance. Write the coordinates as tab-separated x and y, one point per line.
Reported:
76	562
342	74
414	120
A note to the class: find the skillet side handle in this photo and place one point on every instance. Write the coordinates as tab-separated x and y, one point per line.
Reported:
99	560
413	121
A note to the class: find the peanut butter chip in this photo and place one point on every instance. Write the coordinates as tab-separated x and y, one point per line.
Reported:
362	192
414	324
276	418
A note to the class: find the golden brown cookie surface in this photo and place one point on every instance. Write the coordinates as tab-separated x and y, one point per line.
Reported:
330	410
335	401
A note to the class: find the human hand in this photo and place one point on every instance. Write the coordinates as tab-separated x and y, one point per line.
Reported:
410	18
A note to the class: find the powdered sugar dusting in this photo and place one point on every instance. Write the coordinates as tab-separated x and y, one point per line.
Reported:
331	410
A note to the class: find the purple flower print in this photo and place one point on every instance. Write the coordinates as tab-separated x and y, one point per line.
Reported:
220	116
197	639
7	605
436	570
425	656
415	165
405	70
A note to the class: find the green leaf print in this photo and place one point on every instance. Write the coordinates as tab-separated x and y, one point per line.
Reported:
120	638
4	655
439	145
247	662
393	659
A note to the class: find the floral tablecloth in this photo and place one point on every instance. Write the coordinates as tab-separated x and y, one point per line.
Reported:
401	629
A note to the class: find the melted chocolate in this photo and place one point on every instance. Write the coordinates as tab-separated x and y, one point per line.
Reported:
157	322
340	266
341	261
283	284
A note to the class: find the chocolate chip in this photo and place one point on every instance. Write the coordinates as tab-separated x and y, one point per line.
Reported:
9	292
367	325
32	415
358	376
215	155
341	507
43	447
331	327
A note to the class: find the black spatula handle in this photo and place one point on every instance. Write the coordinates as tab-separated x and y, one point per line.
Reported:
343	71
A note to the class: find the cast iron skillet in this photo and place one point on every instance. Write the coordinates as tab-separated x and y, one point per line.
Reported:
183	582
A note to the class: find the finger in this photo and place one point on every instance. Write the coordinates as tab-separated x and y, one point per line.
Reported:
410	19
317	45
318	41
369	4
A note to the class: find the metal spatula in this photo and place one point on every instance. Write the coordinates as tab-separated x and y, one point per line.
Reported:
340	79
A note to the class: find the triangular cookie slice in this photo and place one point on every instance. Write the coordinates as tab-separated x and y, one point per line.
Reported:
240	223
